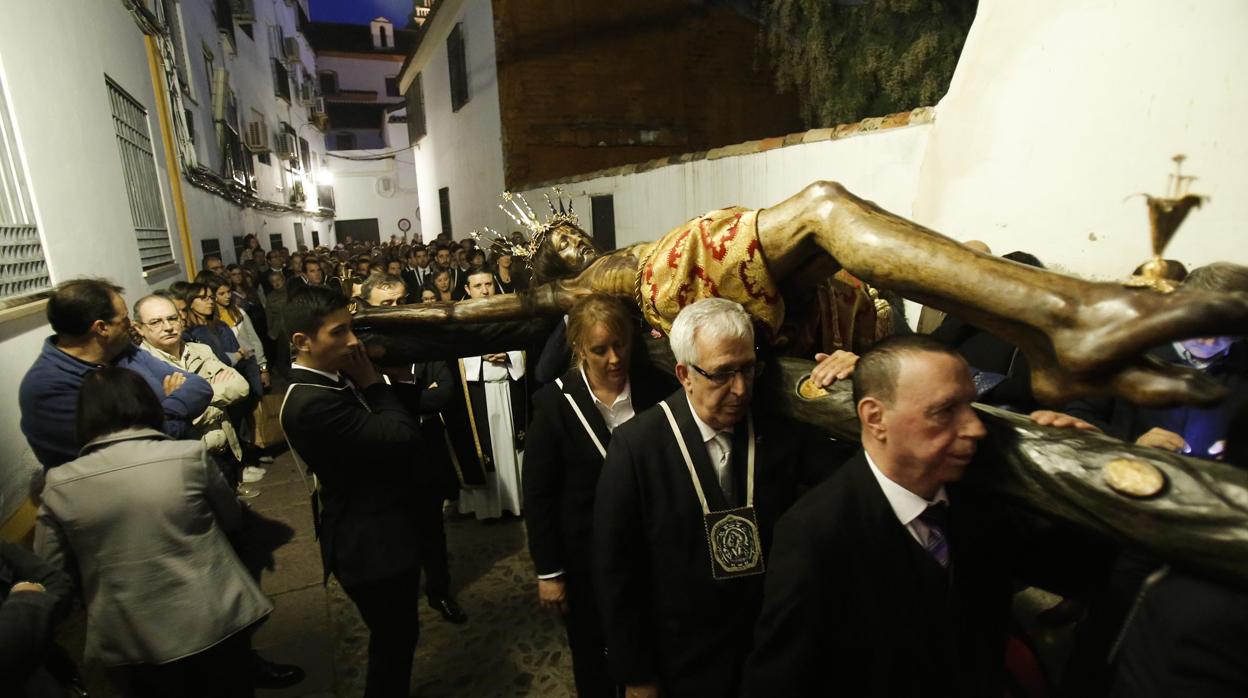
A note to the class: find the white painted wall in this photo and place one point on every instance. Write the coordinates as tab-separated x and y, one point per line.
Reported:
358	192
648	204
461	150
66	139
1061	110
358	73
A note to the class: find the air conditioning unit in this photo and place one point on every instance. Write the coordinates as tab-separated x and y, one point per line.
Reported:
257	137
244	11
287	147
385	187
318	107
290	49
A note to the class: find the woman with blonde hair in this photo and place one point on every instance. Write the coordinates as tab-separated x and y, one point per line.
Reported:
567	441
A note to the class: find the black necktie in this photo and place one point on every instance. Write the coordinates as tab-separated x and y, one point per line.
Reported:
936	518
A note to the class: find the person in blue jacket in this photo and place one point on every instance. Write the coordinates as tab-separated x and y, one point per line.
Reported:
92	326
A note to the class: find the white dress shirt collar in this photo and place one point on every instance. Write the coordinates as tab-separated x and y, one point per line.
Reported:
906	505
619	411
335	376
703	428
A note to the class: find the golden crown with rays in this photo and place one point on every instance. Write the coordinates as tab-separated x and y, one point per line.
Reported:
523	215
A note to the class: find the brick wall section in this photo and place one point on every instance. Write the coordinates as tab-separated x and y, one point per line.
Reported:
915	117
590	85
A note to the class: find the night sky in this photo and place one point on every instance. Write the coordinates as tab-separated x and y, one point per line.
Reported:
360	11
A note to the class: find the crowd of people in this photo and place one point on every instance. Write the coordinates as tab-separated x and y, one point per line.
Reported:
692	544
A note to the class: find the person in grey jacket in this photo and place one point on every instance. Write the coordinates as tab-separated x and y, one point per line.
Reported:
140	520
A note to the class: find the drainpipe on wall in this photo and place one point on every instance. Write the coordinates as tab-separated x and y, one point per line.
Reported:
171	160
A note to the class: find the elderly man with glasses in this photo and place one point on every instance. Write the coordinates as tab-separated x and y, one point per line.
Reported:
688	496
160	324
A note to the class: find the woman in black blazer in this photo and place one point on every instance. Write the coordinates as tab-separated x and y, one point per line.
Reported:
567	442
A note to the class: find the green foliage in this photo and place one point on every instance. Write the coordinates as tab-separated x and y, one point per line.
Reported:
851	61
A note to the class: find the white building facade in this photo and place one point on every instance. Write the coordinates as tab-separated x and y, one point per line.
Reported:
451	86
124	155
371	163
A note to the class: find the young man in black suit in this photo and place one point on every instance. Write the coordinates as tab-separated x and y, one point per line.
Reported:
351	431
684	509
893	578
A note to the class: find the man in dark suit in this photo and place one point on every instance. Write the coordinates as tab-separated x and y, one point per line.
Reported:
425	389
352	432
677	617
418	271
892	578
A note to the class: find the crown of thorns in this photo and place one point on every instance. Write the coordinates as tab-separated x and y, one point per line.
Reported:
523	215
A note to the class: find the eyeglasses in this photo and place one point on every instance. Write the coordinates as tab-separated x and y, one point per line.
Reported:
747	372
157	323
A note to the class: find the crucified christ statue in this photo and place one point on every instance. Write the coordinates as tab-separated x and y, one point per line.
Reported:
1081	337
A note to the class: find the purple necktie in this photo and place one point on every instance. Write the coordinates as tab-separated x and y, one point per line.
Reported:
936	518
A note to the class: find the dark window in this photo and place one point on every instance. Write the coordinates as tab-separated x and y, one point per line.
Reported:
324	197
384	35
281	80
444	202
190	124
392	87
238	247
263	158
224	15
415	111
603	212
344	141
248	31
459	67
275	241
305	155
316	238
210	246
329	83
237	165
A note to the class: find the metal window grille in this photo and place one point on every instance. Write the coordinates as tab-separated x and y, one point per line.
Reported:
275	241
23	270
138	162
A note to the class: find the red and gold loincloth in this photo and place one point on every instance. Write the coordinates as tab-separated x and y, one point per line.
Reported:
714	255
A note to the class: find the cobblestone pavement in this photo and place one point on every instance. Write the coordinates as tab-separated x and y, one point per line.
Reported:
509	647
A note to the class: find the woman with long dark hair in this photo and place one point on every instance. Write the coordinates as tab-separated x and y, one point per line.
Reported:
141	519
204	325
440	284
